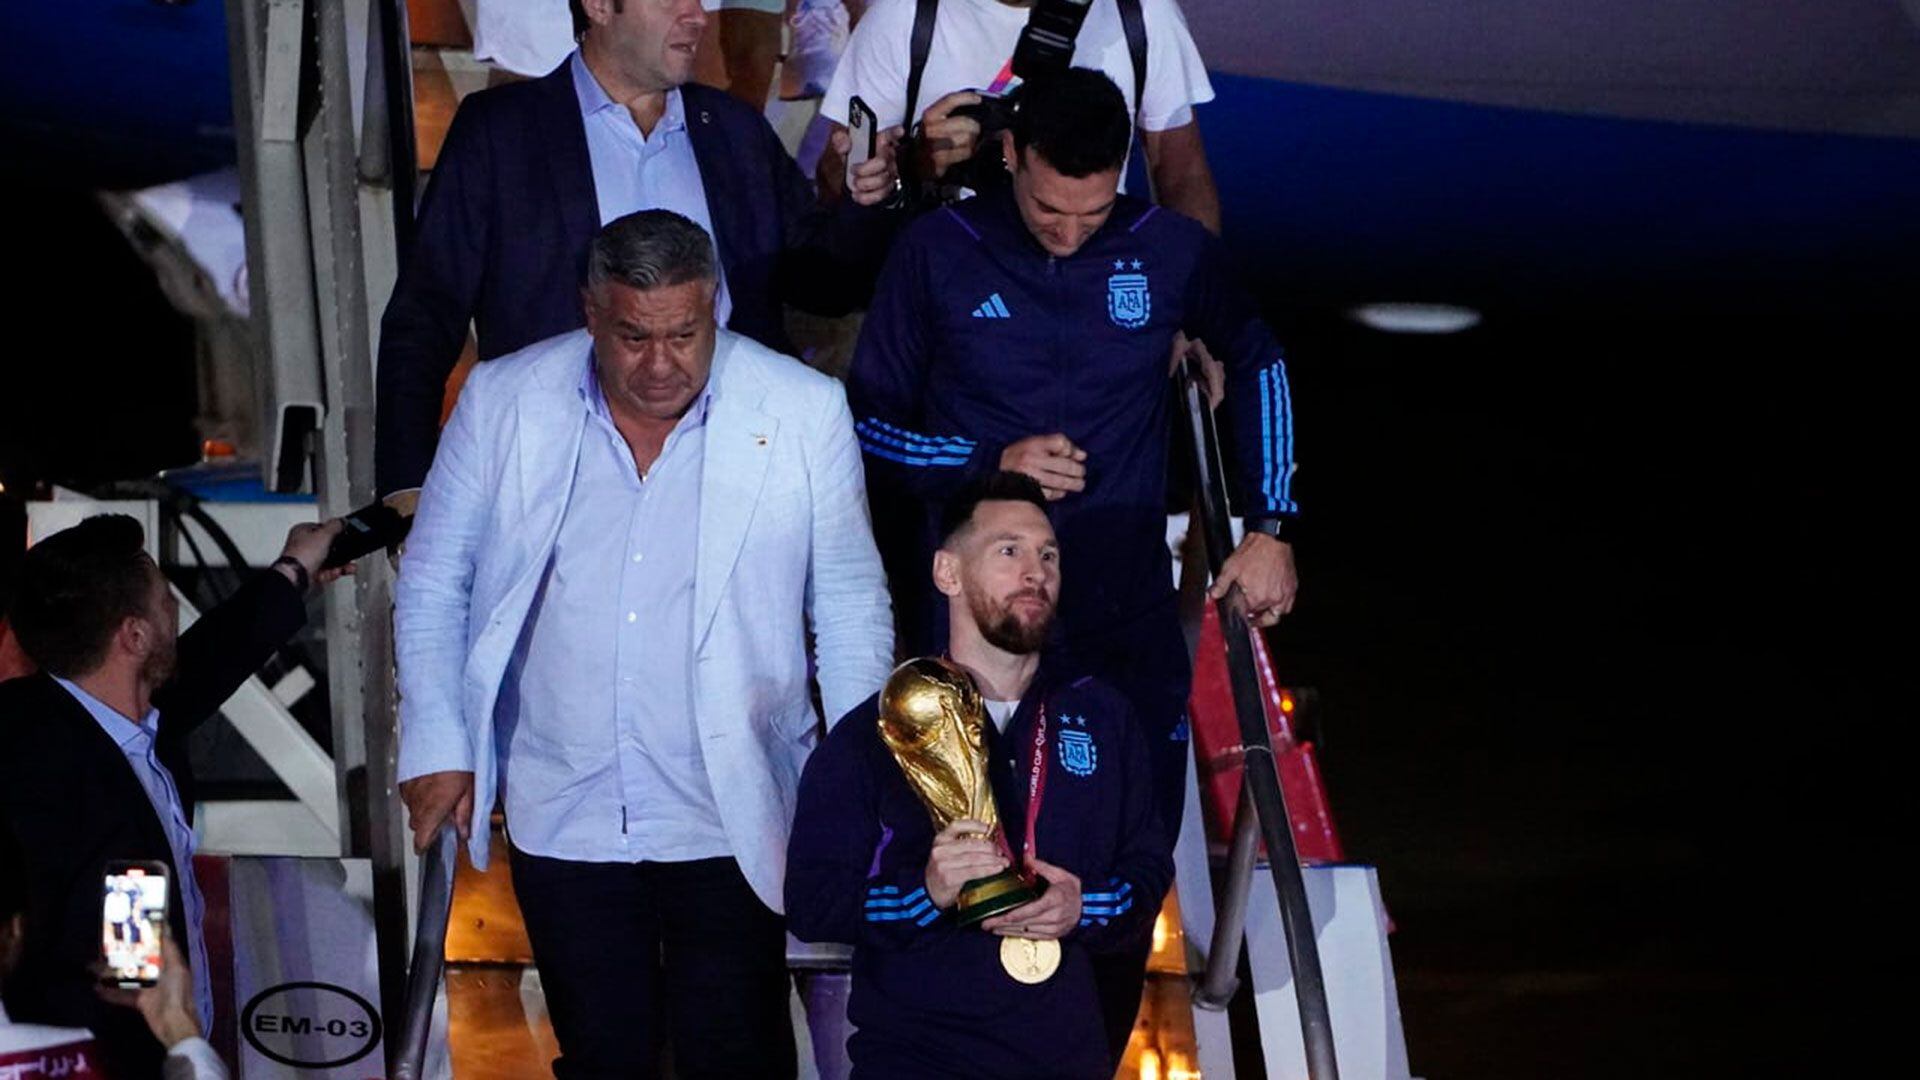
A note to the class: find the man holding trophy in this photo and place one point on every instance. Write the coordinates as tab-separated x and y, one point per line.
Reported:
982	827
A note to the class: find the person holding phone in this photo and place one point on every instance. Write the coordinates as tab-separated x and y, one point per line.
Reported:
93	748
166	1006
969	53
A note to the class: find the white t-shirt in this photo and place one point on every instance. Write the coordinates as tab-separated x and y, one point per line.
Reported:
1001	712
972	49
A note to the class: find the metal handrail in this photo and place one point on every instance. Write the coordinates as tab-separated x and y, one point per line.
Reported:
1220	981
1261	793
407	1053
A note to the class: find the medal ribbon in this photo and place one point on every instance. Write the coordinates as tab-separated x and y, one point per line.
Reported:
1036	779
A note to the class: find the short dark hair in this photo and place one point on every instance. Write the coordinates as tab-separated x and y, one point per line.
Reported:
1077	120
581	24
1002	486
75	589
651	248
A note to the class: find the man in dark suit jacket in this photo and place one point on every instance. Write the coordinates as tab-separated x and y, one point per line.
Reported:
531	170
93	749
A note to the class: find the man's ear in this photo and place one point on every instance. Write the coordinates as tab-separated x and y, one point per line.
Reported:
598	11
946	572
134	635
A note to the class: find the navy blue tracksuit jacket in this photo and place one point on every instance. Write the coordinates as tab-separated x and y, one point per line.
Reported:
930	999
978	338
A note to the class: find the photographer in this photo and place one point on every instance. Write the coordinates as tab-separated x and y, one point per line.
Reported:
969	52
93	749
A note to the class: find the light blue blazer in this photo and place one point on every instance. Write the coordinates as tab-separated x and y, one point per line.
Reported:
785	547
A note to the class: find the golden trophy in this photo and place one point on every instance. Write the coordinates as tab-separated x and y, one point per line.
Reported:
932	718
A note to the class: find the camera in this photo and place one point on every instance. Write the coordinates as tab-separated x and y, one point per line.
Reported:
1045	48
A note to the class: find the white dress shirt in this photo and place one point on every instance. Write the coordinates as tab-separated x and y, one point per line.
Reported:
595	727
136	742
634	172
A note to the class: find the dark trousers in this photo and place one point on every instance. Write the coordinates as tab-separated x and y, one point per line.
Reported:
633	955
1146	662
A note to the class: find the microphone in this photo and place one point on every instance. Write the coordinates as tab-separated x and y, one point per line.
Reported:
367	530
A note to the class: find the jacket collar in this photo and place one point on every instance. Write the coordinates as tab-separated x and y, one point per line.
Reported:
563	142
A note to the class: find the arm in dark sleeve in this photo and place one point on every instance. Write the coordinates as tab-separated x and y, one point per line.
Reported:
830	253
228	644
886	386
1259	400
845	883
1119	905
425	325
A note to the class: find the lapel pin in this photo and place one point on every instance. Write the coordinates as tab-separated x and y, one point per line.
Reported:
704	118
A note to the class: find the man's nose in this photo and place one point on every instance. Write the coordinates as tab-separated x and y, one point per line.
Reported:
656	362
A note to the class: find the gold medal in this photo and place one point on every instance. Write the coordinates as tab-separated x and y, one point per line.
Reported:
1029	961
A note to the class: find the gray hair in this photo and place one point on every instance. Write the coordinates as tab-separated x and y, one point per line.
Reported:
649	249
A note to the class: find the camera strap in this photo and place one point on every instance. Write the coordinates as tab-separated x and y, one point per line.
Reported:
922	45
1135	25
1132	21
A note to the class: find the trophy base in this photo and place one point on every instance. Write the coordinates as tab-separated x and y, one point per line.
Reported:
983	898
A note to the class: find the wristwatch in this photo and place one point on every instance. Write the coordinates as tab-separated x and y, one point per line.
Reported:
1278	528
301	579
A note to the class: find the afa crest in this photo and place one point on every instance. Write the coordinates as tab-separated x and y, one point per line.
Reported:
1077	752
1128	303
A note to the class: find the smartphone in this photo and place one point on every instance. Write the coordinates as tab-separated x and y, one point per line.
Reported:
863	127
133	918
365	531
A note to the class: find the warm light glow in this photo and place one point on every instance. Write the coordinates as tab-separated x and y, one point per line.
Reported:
1160	931
1286	703
1180	1067
1150	1064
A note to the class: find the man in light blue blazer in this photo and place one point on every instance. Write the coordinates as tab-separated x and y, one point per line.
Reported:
602	614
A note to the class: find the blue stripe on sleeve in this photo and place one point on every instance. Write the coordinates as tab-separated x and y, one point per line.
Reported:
1283	403
915	440
914	912
1266	438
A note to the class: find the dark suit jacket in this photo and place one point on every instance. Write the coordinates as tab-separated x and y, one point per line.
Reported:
504	228
74	802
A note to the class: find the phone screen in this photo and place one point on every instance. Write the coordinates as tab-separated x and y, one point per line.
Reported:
133	916
863	129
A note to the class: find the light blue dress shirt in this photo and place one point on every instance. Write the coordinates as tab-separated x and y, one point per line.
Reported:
633	172
600	757
136	742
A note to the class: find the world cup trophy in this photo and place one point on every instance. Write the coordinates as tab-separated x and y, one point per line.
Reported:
933	720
